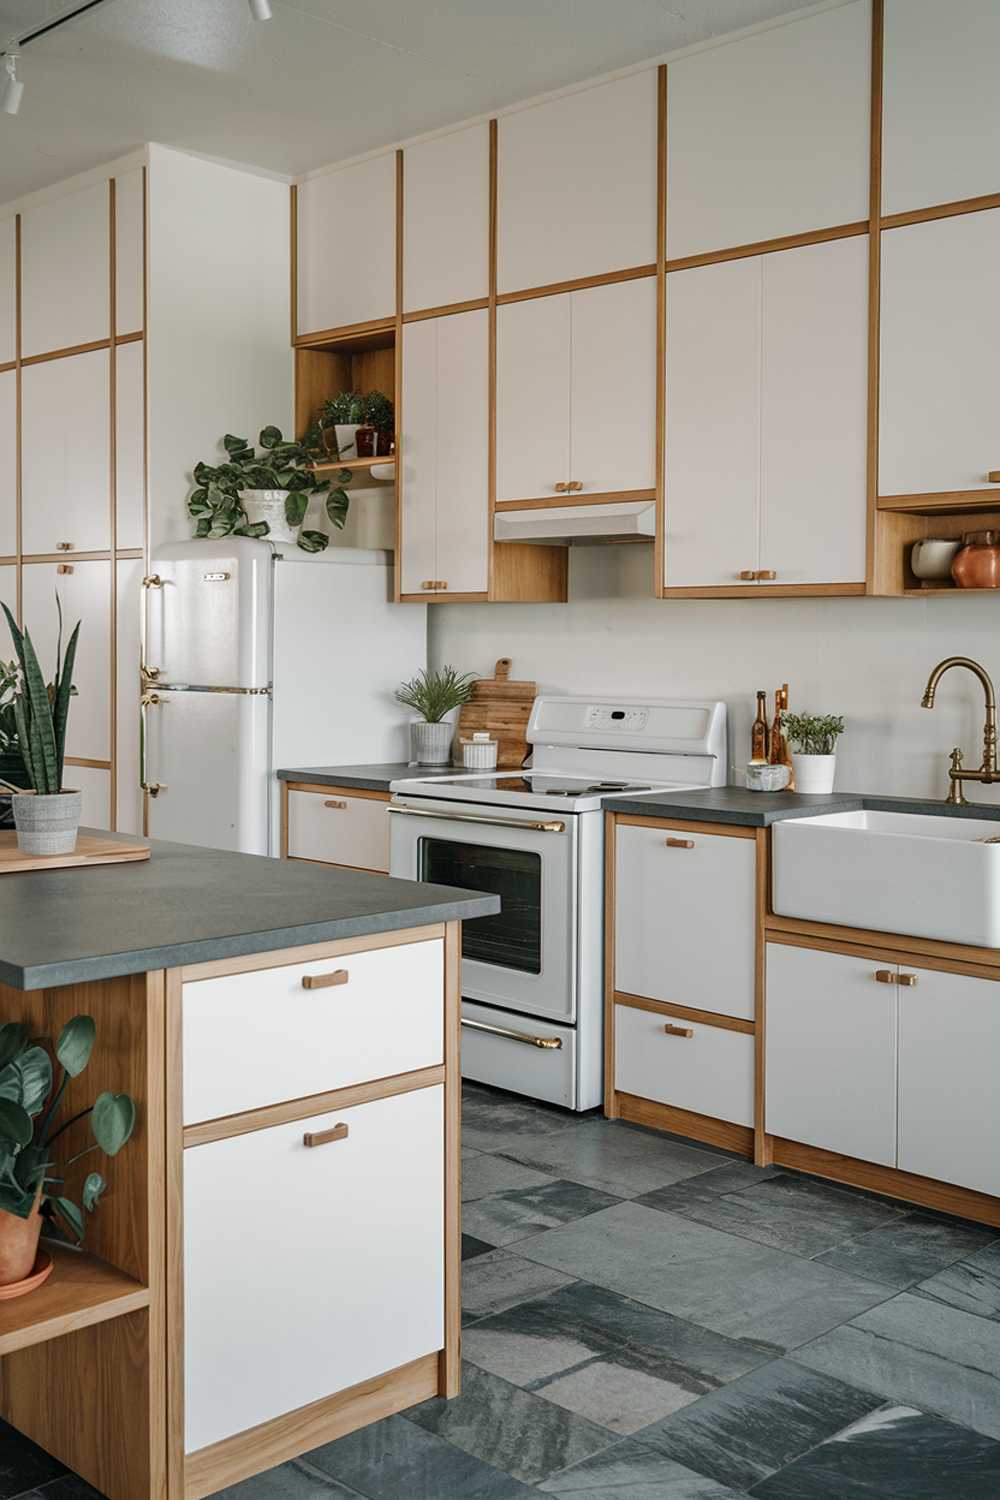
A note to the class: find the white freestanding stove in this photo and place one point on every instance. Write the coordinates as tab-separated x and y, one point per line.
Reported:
533	976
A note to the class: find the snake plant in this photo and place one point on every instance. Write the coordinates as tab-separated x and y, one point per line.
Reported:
40	712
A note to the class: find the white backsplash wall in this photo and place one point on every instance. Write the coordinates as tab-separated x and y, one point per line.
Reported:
866	658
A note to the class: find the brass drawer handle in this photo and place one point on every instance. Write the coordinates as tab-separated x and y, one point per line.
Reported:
575	485
427	586
684	1031
332	802
994	476
324	1137
747	575
908	980
679	843
766	575
325	981
65	568
885	976
64	546
562	488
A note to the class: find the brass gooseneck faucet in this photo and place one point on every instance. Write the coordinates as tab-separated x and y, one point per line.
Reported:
958	773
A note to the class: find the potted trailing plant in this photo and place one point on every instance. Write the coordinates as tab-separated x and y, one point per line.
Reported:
338	423
266	494
814	749
380	415
433	695
46	816
32	1182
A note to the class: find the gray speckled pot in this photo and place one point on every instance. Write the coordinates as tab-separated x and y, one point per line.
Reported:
430	744
47	824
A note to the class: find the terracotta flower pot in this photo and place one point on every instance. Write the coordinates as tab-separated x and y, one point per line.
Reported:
19	1244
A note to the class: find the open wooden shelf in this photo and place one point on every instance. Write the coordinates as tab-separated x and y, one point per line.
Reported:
81	1291
946	588
354	463
941	504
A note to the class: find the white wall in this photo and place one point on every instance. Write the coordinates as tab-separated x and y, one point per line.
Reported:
866	658
220	357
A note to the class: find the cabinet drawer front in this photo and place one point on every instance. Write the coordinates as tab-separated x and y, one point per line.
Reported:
670	903
339	829
710	1072
386	1018
831	1053
335	1276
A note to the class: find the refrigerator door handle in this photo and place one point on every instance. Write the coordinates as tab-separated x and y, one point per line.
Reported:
146	701
194	687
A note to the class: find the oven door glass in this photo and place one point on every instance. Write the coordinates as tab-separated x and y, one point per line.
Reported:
513	939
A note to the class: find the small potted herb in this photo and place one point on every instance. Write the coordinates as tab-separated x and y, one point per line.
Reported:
266	494
32	1179
814	749
338	423
46	815
433	695
380	415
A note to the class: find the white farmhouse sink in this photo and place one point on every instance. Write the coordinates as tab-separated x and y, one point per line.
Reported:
924	876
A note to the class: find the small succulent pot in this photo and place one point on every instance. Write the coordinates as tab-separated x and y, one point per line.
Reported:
19	1244
814	774
47	823
365	441
269	506
430	744
383	444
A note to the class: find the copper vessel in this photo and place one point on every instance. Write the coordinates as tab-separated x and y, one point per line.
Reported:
977	566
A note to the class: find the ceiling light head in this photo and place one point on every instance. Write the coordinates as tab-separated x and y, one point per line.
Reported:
13	89
260	10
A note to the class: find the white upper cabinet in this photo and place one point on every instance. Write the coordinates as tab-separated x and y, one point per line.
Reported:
85	594
65	465
8	463
560	356
130	448
446	219
941	109
65	271
940	331
444	448
346	221
577	184
769	135
8	291
130	239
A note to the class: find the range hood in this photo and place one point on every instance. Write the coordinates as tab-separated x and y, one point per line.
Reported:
614	521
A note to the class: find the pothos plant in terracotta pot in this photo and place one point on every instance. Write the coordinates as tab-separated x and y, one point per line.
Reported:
266	494
33	1190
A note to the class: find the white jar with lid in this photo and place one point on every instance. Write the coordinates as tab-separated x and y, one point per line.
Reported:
479	753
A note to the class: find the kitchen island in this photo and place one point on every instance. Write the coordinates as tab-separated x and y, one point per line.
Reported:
276	1259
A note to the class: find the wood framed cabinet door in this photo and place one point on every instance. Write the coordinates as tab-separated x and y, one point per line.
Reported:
577	184
940	109
534	361
65	458
831	1053
85	594
949	1103
446	219
8	463
346	236
712	491
613	349
8	291
130	240
65	271
940	330
418	468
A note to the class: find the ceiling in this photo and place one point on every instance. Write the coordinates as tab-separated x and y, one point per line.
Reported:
323	80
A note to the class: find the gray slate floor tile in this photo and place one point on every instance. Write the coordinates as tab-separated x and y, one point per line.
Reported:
745	1431
894	1454
297	1480
72	1487
720	1281
521	1211
500	1279
396	1460
23	1465
483	1175
628	1471
510	1428
785	1212
915	1352
471	1247
497	1122
911	1249
972	1284
608	1155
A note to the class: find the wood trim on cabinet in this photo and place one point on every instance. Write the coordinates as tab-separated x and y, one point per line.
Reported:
610	872
768	591
958	958
965	1203
685	1122
293	259
397	364
249	1120
174	1248
450	1359
762	884
940	502
577	284
247	1453
491	355
941	211
444	598
82	760
551	502
344	332
18	418
218	968
872	539
684	1012
7	366
113	499
447	310
769	247
65	557
285	788
719	830
365	793
67	353
131	338
660	563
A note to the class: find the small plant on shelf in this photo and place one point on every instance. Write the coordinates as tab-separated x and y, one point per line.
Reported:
432	695
814	749
33	1185
337	424
265	494
380	414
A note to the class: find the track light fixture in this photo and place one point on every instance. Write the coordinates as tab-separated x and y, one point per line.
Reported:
260	10
13	89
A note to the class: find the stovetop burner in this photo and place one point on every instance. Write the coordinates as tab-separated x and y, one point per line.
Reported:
554	787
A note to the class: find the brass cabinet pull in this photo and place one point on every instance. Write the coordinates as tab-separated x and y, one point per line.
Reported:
324	1137
766	575
574	485
442	584
331	802
152	581
562	487
907	980
747	575
679	843
65	568
684	1031
885	976
427	585
994	476
325	981
64	546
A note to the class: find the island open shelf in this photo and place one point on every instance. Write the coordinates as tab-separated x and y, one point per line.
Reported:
81	1291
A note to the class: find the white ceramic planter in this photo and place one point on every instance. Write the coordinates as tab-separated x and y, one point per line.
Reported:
814	774
430	744
47	824
269	506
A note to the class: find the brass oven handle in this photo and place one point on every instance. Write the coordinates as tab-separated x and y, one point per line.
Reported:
332	802
325	981
679	843
685	1031
422	812
548	1043
323	1137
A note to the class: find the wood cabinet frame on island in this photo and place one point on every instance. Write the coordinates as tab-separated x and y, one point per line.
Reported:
706	1099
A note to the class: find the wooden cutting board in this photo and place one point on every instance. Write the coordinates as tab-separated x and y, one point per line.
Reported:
503	708
90	849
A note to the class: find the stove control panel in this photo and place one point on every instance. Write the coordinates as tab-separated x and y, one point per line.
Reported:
604	716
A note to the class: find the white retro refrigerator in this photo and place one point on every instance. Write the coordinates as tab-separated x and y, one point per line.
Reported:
259	656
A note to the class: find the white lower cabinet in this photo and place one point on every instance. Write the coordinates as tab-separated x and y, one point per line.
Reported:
338	829
364	1214
831	1053
949	1101
706	1069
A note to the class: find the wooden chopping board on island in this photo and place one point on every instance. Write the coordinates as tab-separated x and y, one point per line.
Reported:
502	707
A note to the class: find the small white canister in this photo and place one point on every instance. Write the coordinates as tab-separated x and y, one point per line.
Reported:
479	753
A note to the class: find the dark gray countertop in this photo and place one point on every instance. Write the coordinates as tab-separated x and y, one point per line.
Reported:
734	804
369	778
187	905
